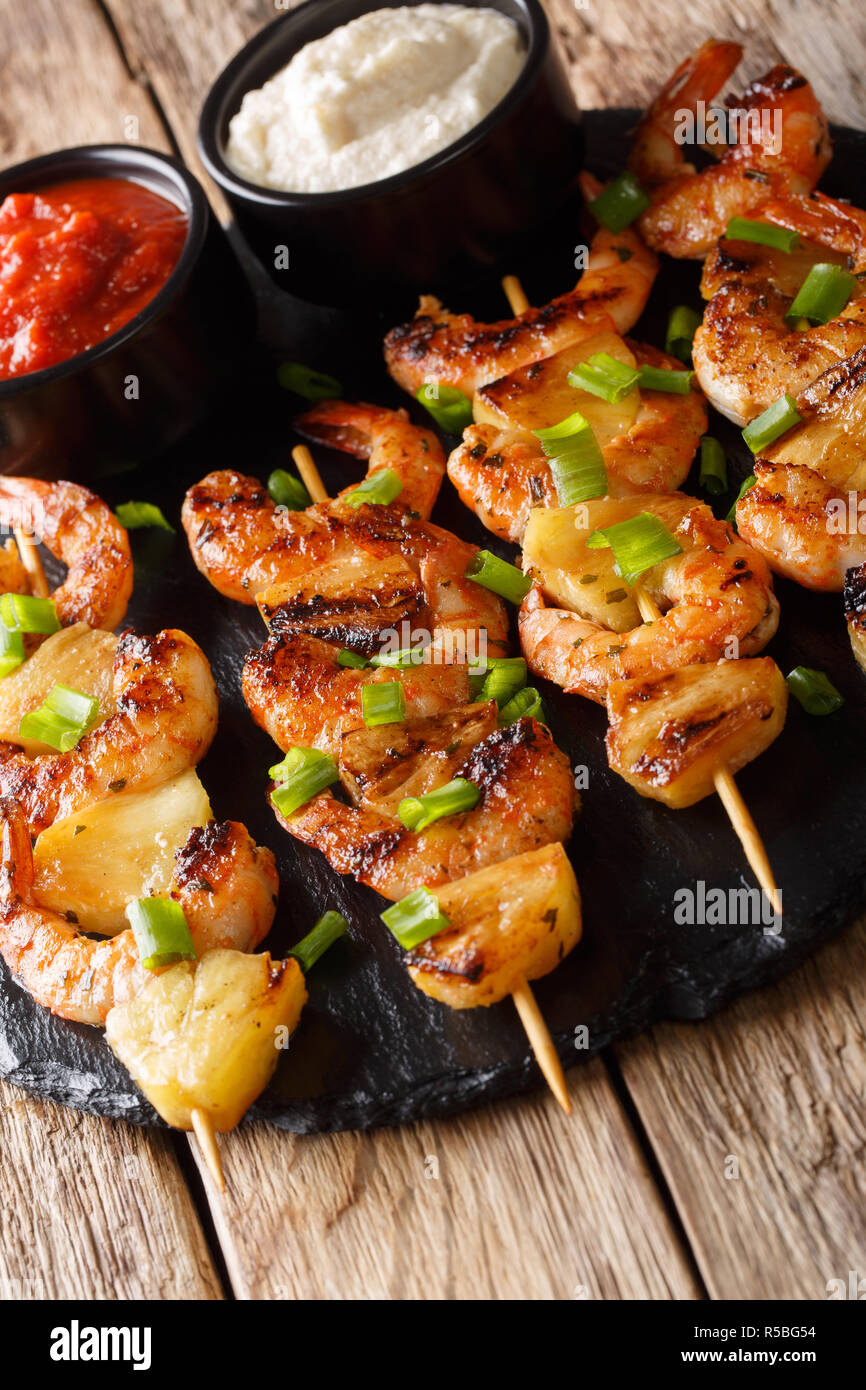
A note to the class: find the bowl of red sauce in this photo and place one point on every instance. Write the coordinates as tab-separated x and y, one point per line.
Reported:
122	309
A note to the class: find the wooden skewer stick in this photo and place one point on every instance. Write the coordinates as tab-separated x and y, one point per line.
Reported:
531	1017
310	476
729	793
515	294
31	562
207	1142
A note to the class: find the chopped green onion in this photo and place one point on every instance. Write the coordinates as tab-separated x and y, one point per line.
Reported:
505	676
620	203
637	544
133	516
815	691
576	460
450	408
603	376
160	930
353	659
62	719
526	704
415	918
762	233
664	379
400	660
288	491
746	484
22	613
774	421
498	576
303	774
714	466
304	381
378	489
383	703
417	812
329	928
11	651
823	294
683	323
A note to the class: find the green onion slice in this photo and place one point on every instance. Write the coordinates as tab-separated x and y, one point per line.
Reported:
714	466
378	489
576	460
746	484
11	650
401	660
417	812
22	613
134	516
762	233
329	928
683	323
823	294
779	417
62	719
526	704
637	544
306	382
160	930
620	203
288	491
383	703
345	657
498	576
665	379
603	376
415	918
303	774
450	408
815	691
505	676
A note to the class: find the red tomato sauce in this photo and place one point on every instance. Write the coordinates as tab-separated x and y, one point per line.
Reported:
78	260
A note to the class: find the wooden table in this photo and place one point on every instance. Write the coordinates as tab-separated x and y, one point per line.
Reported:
720	1160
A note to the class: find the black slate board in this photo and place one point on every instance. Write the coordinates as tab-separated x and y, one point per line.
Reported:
371	1048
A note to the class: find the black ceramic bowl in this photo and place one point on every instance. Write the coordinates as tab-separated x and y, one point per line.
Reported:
471	207
130	396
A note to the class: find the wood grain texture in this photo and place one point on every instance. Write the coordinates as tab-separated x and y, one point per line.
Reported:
94	1209
778	1083
65	83
525	1204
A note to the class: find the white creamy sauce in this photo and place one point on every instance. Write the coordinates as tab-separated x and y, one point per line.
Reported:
375	97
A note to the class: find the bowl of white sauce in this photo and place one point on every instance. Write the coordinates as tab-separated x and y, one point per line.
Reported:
370	151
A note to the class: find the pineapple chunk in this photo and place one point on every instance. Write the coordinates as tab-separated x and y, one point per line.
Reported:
354	598
92	863
78	656
830	439
539	395
511	921
668	735
205	1035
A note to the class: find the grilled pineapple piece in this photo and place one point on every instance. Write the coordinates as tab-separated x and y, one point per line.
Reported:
667	736
350	601
382	765
78	656
830	439
203	1035
539	395
511	921
92	863
854	598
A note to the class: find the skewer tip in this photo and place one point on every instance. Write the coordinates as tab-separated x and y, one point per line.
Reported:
541	1043
207	1142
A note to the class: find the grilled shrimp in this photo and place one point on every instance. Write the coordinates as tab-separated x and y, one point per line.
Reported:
226	885
456	350
746	355
854	599
501	474
691	209
164	722
805	512
79	529
242	542
716	600
527	800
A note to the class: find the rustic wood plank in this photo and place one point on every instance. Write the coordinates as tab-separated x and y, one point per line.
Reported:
94	1209
527	1204
776	1082
65	83
620	53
